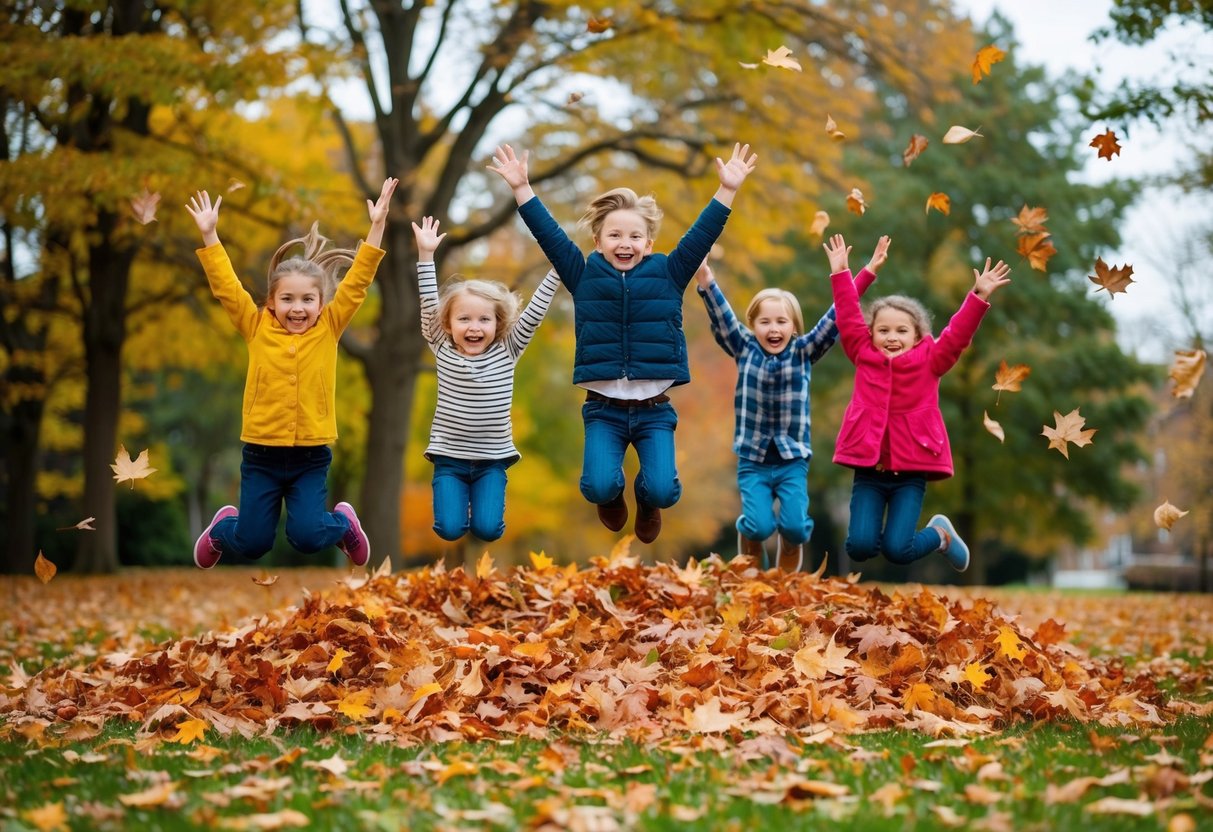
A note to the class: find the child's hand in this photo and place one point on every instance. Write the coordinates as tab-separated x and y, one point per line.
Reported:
428	238
740	165
989	281
205	215
839	253
880	255
379	209
510	167
704	276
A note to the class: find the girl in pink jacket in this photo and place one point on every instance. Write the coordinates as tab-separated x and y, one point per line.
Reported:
893	433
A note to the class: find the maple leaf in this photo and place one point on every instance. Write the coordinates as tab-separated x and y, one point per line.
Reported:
1009	378
128	468
977	675
1037	249
541	562
1066	429
338	660
356	704
855	203
985	58
44	568
832	129
918	143
707	718
1065	699
1031	220
919	697
144	206
994	428
959	135
1166	515
1107	145
189	730
821	221
781	57
941	202
598	25
1186	370
1113	279
818	658
1009	644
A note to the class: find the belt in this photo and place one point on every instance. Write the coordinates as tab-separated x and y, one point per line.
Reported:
593	396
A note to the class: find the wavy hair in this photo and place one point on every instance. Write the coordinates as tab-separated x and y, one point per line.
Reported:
316	263
506	303
622	199
917	312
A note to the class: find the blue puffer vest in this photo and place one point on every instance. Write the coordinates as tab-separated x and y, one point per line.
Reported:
628	324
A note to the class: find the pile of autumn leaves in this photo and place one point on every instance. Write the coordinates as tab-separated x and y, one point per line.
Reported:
620	647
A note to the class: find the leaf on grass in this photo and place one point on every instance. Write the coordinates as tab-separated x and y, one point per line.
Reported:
190	730
821	221
959	135
1036	249
985	58
781	57
1107	145
940	201
855	203
1121	806
598	25
51	817
149	798
44	568
1166	515
267	821
1067	429
459	768
129	468
144	206
1186	370
832	129
993	427
918	143
1113	279
1031	220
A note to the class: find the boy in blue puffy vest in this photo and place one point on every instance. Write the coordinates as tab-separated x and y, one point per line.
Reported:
627	305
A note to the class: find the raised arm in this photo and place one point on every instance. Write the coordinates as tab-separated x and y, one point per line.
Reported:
513	169
428	239
530	319
379	211
991	280
959	332
206	216
734	172
726	328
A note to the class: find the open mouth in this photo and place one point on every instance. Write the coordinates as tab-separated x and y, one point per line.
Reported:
624	258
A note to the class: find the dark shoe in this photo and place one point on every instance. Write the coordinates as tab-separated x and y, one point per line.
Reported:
752	548
613	514
789	555
206	549
648	522
355	544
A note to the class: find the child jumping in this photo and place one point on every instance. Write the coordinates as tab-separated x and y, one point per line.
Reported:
893	433
771	403
289	393
628	324
477	337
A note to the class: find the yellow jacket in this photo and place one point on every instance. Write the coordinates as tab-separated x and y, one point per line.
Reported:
289	393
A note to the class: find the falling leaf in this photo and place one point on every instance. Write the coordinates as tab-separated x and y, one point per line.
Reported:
959	135
744	65
128	468
1186	370
941	202
574	97
540	561
597	25
918	143
1068	428
855	203
1031	220
44	568
1166	515
832	129
986	57
781	57
1010	378
144	206
485	566
821	221
234	184
84	525
1107	145
265	579
993	427
1037	248
1113	279
190	730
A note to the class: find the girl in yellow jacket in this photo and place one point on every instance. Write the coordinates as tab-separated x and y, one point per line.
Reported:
289	419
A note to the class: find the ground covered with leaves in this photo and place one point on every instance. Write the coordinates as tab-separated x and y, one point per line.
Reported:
618	695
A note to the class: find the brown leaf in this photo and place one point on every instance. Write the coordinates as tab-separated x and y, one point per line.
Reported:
1067	429
1106	143
265	579
985	58
832	129
127	467
855	203
781	57
1113	279
1031	220
574	97
959	135
84	525
598	25
1037	249
43	568
144	206
1166	515
821	221
918	143
941	202
1186	370
1010	378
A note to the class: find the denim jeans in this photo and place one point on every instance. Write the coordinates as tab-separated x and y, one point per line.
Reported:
469	495
901	495
608	432
761	484
269	475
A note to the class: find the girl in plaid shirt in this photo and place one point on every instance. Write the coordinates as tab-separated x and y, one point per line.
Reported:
771	434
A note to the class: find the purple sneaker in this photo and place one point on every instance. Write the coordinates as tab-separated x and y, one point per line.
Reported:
206	549
355	543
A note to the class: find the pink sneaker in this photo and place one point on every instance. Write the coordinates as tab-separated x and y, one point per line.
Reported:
355	543
206	548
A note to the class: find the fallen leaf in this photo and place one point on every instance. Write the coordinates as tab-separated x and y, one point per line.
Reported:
993	427
148	798
356	704
1037	249
977	675
1066	429
189	730
265	580
1186	370
129	468
338	660
485	566
1121	806
1113	279
821	221
1107	145
597	25
959	135
832	129
51	817
1010	378
986	57
781	57
144	206
855	203
918	143
941	202
268	821
44	568
1166	515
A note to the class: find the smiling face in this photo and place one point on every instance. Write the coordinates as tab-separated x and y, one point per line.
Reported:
472	323
624	239
295	302
894	331
773	325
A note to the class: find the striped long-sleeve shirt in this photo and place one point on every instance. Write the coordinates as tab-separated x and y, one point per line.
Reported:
472	417
771	400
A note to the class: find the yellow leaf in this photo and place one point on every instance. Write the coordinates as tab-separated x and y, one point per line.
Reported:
920	696
424	691
733	614
459	768
44	568
190	730
1166	515
50	817
356	704
485	566
976	675
781	57
941	202
541	561
128	468
1009	644
959	135
338	660
821	221
986	57
155	796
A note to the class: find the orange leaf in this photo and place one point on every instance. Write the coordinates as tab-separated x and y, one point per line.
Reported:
1113	279
1107	145
918	143
459	768
1010	378
265	580
986	57
1066	429
821	221
144	206
44	568
127	467
51	817
832	129
1166	515
1031	220
941	202
781	57
1037	248
1186	370
597	25
155	796
855	203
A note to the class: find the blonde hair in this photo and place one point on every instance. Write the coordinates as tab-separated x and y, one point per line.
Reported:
506	303
783	296
917	312
316	263
622	199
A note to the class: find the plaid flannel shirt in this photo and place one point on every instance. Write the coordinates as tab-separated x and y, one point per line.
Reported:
772	395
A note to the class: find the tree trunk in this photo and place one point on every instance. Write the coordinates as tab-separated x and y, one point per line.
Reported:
21	453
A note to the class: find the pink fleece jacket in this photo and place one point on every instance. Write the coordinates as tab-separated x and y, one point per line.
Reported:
898	397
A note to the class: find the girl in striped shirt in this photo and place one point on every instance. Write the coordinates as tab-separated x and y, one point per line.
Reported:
477	336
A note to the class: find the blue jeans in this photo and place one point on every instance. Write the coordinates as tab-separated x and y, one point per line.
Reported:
269	475
469	495
901	495
761	484
608	432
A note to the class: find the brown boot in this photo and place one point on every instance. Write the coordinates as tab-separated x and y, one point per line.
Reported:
648	522
613	514
789	555
752	548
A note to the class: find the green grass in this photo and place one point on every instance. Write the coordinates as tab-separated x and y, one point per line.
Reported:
689	783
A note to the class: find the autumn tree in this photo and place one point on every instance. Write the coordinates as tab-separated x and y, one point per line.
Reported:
644	96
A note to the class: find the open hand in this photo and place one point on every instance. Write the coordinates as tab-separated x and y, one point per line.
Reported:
987	282
880	256
839	254
205	215
427	237
511	167
740	165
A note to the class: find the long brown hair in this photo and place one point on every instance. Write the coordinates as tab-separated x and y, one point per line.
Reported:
316	263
